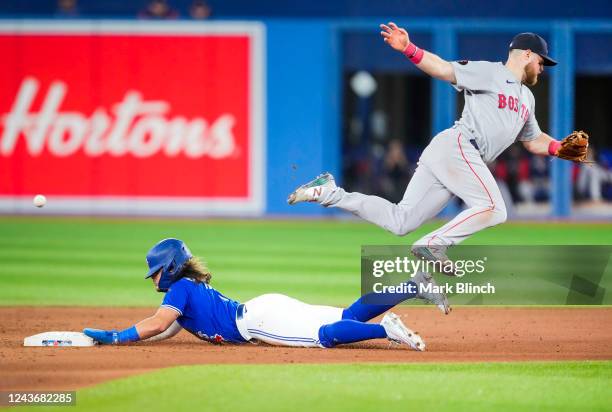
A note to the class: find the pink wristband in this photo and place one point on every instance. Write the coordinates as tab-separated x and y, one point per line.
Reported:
414	53
553	146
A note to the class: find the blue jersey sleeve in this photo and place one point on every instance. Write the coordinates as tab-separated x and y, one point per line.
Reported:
176	298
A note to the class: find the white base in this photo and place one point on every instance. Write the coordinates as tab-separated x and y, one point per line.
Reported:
58	339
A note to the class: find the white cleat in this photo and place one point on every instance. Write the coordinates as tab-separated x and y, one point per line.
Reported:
313	191
428	290
398	332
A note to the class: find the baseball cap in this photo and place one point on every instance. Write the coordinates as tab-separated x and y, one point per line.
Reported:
535	43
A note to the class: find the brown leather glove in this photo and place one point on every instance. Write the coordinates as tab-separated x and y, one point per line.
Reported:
574	147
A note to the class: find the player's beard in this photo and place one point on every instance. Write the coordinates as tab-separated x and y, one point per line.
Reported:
531	76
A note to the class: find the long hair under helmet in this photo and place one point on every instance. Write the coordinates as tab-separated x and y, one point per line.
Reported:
169	255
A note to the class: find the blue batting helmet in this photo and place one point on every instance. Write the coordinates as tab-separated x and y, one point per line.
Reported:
169	255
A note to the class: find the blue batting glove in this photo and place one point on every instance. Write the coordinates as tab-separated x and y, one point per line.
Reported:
103	336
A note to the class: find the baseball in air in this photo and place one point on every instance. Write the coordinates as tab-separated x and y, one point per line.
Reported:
39	200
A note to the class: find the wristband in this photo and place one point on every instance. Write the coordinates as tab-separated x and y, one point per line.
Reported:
414	53
127	335
553	146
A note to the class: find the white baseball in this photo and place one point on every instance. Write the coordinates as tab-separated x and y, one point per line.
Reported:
39	200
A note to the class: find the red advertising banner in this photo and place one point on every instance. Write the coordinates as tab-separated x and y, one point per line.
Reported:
134	117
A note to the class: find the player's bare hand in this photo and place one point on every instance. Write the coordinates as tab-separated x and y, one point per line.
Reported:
394	36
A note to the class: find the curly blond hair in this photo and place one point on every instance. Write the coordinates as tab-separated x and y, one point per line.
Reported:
196	269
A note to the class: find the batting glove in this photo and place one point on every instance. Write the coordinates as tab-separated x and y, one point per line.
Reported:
103	336
112	337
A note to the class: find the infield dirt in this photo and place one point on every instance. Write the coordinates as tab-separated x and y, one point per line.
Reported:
467	334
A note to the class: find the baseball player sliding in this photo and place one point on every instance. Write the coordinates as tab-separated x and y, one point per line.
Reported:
191	303
499	109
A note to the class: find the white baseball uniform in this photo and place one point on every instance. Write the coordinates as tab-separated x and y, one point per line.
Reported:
281	320
277	320
498	110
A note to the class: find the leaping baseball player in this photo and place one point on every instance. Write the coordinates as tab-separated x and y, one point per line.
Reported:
499	109
191	303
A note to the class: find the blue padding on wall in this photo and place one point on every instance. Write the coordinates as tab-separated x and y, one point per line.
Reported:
593	53
346	8
367	51
491	46
303	133
562	116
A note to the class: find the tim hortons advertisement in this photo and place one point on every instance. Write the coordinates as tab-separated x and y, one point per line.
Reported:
132	118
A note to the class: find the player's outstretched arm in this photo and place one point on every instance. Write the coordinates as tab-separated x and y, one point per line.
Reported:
540	145
156	324
574	147
146	328
167	334
432	64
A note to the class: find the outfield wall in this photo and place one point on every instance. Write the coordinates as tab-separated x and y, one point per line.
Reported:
233	115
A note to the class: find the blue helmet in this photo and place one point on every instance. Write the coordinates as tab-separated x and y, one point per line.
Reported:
169	255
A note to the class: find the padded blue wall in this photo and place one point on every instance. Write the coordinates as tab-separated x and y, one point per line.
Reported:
339	8
303	108
306	57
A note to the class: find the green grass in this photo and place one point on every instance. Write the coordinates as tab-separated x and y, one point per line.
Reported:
81	261
558	386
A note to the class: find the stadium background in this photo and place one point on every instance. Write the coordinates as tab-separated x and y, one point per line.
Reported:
314	120
314	114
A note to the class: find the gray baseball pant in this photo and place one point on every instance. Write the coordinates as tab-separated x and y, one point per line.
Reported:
450	165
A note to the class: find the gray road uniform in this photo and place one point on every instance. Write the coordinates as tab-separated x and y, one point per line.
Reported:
498	111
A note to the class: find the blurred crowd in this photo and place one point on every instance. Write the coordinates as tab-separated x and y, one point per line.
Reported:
154	10
385	168
524	178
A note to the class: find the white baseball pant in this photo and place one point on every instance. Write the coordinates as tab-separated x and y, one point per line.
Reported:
450	165
284	321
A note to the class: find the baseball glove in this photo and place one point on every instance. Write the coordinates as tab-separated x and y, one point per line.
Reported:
574	147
